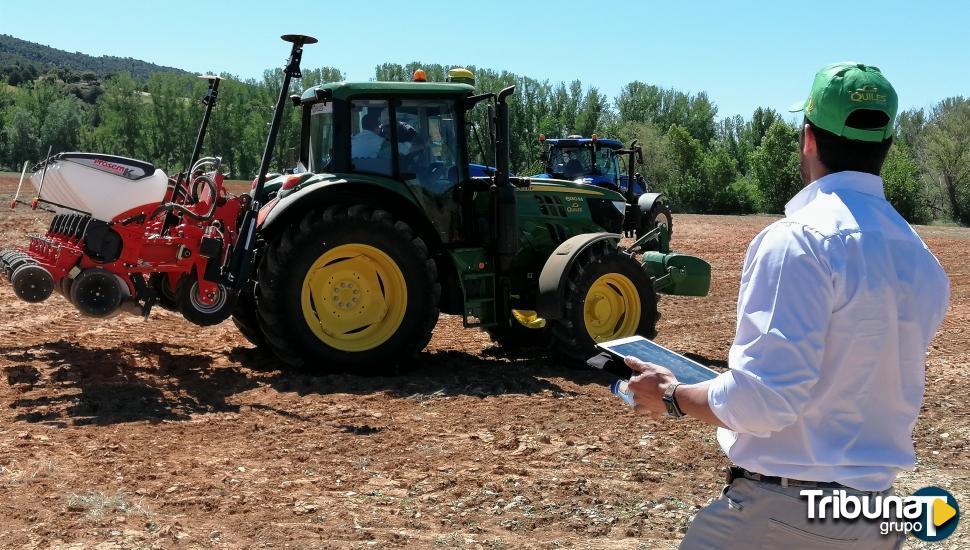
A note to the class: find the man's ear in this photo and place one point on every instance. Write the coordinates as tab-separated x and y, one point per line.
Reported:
809	146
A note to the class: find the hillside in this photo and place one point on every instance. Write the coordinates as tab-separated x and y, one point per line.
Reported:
14	51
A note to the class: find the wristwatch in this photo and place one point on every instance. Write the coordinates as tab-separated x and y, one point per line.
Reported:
671	402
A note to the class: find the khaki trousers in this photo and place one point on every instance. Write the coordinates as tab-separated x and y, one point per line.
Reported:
751	514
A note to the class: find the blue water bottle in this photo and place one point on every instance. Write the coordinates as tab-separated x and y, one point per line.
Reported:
621	389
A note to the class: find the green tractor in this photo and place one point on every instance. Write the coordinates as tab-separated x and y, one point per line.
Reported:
380	226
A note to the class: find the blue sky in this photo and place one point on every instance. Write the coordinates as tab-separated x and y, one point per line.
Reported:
744	54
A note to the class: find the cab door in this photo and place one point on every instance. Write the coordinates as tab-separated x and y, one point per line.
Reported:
431	160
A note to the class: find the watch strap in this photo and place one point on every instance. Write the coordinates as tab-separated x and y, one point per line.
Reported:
670	400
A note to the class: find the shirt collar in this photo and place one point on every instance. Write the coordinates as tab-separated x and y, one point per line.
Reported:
859	182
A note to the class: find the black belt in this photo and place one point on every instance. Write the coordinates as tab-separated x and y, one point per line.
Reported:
735	472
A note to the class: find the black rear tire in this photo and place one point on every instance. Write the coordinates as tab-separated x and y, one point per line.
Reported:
246	318
287	262
571	338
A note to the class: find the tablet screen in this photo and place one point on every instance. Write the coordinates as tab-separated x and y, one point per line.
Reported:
686	371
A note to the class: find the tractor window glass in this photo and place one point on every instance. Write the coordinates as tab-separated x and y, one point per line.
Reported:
370	146
321	137
428	157
571	162
605	163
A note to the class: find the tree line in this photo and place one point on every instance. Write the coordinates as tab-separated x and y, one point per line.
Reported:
15	52
703	162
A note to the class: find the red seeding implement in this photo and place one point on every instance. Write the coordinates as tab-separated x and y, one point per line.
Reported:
126	236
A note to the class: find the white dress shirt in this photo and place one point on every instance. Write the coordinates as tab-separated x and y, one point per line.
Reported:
366	145
838	303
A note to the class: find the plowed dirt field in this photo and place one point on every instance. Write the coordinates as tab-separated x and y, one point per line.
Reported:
125	432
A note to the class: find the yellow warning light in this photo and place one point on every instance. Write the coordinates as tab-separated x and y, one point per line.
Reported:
419	76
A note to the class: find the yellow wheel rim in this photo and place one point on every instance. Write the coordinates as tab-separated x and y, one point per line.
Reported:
354	297
612	308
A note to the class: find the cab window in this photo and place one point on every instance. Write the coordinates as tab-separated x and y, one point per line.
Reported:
605	162
370	147
321	137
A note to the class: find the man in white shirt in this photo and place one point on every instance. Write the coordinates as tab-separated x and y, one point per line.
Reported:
838	304
367	143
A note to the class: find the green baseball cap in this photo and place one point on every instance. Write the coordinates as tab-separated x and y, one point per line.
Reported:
842	88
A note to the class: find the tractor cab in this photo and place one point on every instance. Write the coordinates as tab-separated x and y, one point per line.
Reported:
403	138
592	161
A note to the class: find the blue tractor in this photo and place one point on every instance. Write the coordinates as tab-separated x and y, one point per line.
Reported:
606	163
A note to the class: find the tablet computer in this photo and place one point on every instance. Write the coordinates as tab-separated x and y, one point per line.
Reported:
686	370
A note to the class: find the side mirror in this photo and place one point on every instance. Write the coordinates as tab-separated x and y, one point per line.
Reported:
291	158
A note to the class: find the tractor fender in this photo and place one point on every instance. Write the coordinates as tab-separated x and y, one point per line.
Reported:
331	191
552	279
648	200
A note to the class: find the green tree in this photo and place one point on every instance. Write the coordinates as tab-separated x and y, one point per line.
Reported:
321	75
170	119
21	135
774	167
686	154
121	109
945	154
909	127
900	173
640	102
718	172
61	129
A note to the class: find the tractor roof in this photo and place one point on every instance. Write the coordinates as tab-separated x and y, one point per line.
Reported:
343	90
581	142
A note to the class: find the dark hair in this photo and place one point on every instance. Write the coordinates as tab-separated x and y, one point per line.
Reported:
839	154
371	121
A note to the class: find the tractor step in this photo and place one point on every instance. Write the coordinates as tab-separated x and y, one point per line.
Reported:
477	285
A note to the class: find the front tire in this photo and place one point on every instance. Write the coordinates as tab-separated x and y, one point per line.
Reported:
608	296
349	287
659	215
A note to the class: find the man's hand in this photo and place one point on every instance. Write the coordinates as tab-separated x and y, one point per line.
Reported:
648	389
649	385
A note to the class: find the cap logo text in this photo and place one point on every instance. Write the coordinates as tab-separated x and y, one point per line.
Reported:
867	93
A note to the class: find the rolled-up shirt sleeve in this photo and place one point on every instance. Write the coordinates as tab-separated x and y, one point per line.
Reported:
784	308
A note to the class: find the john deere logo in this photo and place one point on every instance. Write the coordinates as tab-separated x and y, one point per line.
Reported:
930	514
811	105
868	93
